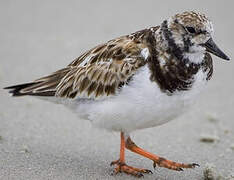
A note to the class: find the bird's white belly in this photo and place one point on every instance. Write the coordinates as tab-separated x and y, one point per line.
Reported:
139	105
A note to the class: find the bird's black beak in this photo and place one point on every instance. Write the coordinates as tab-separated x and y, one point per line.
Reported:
214	49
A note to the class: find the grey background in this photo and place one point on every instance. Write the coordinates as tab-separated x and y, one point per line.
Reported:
40	140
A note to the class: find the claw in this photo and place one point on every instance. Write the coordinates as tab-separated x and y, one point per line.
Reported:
195	165
139	175
154	165
148	171
114	162
113	173
179	169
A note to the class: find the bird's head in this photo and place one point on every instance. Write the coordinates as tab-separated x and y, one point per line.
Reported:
190	33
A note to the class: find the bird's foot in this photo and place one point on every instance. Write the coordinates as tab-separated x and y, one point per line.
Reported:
162	162
122	167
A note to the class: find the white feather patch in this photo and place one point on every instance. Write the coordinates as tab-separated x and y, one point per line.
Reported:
195	54
145	53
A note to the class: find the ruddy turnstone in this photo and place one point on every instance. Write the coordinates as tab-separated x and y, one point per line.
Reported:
136	81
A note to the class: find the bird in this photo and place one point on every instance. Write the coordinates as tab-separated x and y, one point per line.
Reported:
136	81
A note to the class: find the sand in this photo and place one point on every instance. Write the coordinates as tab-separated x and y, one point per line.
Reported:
40	140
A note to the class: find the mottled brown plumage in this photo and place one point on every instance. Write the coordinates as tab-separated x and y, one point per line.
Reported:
109	66
98	72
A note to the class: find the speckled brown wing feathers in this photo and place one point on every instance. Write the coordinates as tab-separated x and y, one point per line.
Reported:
98	72
102	70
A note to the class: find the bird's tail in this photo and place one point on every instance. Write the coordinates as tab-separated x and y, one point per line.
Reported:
45	86
28	89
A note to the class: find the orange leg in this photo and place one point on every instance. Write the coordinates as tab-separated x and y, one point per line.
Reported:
122	167
162	162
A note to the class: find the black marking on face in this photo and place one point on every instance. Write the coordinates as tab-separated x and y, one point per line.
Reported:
186	39
187	43
173	48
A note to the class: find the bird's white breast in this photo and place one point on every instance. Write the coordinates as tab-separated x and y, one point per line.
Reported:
139	105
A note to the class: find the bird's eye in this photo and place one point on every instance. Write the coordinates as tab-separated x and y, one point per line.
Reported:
191	29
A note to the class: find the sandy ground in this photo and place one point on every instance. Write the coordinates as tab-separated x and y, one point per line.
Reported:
40	140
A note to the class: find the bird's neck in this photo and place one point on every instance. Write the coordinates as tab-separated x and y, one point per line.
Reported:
172	69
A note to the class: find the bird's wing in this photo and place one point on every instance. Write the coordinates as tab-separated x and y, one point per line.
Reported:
99	72
104	69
